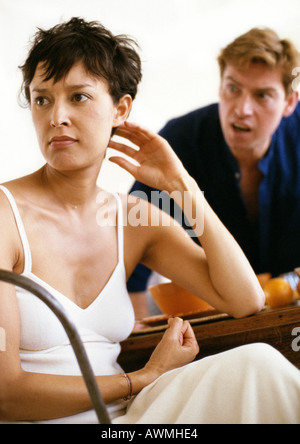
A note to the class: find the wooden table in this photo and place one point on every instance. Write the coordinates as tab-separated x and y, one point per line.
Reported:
218	333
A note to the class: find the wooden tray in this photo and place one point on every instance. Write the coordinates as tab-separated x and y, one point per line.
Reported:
160	322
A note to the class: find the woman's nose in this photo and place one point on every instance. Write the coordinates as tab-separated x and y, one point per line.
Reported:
59	116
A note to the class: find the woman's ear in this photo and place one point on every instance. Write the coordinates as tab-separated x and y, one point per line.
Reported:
291	103
122	110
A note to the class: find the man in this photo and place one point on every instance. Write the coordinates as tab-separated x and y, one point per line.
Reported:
245	152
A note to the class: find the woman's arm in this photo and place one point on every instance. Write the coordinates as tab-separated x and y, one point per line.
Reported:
219	272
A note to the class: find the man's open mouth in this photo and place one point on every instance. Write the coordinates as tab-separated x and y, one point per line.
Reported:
241	128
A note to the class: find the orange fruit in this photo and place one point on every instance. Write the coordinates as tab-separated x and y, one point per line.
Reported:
297	292
278	293
263	278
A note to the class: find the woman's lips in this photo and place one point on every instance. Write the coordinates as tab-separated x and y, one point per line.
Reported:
62	141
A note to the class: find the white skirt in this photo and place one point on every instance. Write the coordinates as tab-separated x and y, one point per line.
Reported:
253	384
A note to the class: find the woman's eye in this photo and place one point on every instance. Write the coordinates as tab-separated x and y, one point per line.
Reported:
79	98
41	101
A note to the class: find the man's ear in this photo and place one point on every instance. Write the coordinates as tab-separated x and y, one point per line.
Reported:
122	110
291	103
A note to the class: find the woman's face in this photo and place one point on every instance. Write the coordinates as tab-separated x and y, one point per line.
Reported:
74	117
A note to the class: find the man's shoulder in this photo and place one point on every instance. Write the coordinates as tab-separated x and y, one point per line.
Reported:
286	146
194	120
296	113
288	132
292	121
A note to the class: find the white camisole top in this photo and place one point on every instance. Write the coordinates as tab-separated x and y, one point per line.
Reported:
44	345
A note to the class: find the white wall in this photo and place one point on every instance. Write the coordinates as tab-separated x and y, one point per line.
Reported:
179	41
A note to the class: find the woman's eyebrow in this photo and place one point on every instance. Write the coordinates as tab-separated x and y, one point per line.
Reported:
39	90
79	86
70	87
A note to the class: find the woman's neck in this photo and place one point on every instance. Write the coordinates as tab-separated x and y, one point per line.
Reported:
71	190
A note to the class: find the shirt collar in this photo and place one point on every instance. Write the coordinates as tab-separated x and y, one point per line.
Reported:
265	162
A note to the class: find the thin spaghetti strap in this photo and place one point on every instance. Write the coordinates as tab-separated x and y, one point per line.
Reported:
21	229
120	228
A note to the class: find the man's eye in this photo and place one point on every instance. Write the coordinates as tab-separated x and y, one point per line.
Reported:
232	88
263	95
79	98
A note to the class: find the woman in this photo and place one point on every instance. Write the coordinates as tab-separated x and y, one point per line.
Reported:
80	82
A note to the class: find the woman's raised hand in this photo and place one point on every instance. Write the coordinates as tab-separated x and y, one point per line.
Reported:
158	166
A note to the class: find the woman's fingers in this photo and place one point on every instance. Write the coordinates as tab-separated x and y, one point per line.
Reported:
177	347
125	164
129	128
183	332
178	328
122	148
158	166
121	161
137	135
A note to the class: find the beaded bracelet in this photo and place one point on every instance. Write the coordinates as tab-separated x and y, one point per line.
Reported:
130	389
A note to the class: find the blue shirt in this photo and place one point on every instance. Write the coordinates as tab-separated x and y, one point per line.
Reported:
274	244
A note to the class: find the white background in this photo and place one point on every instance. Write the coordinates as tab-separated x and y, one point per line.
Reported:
179	41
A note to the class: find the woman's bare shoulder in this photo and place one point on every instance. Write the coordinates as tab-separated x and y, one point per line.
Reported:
23	189
9	237
20	189
21	184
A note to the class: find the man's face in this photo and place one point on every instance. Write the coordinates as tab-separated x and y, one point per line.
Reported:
252	104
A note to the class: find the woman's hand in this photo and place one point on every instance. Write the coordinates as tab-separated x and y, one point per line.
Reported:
177	348
158	166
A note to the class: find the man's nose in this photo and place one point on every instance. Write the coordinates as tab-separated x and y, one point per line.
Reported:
244	106
60	115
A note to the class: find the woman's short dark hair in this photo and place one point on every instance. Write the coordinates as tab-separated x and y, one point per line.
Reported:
113	58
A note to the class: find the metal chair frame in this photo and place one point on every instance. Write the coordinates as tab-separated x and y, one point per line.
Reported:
73	335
